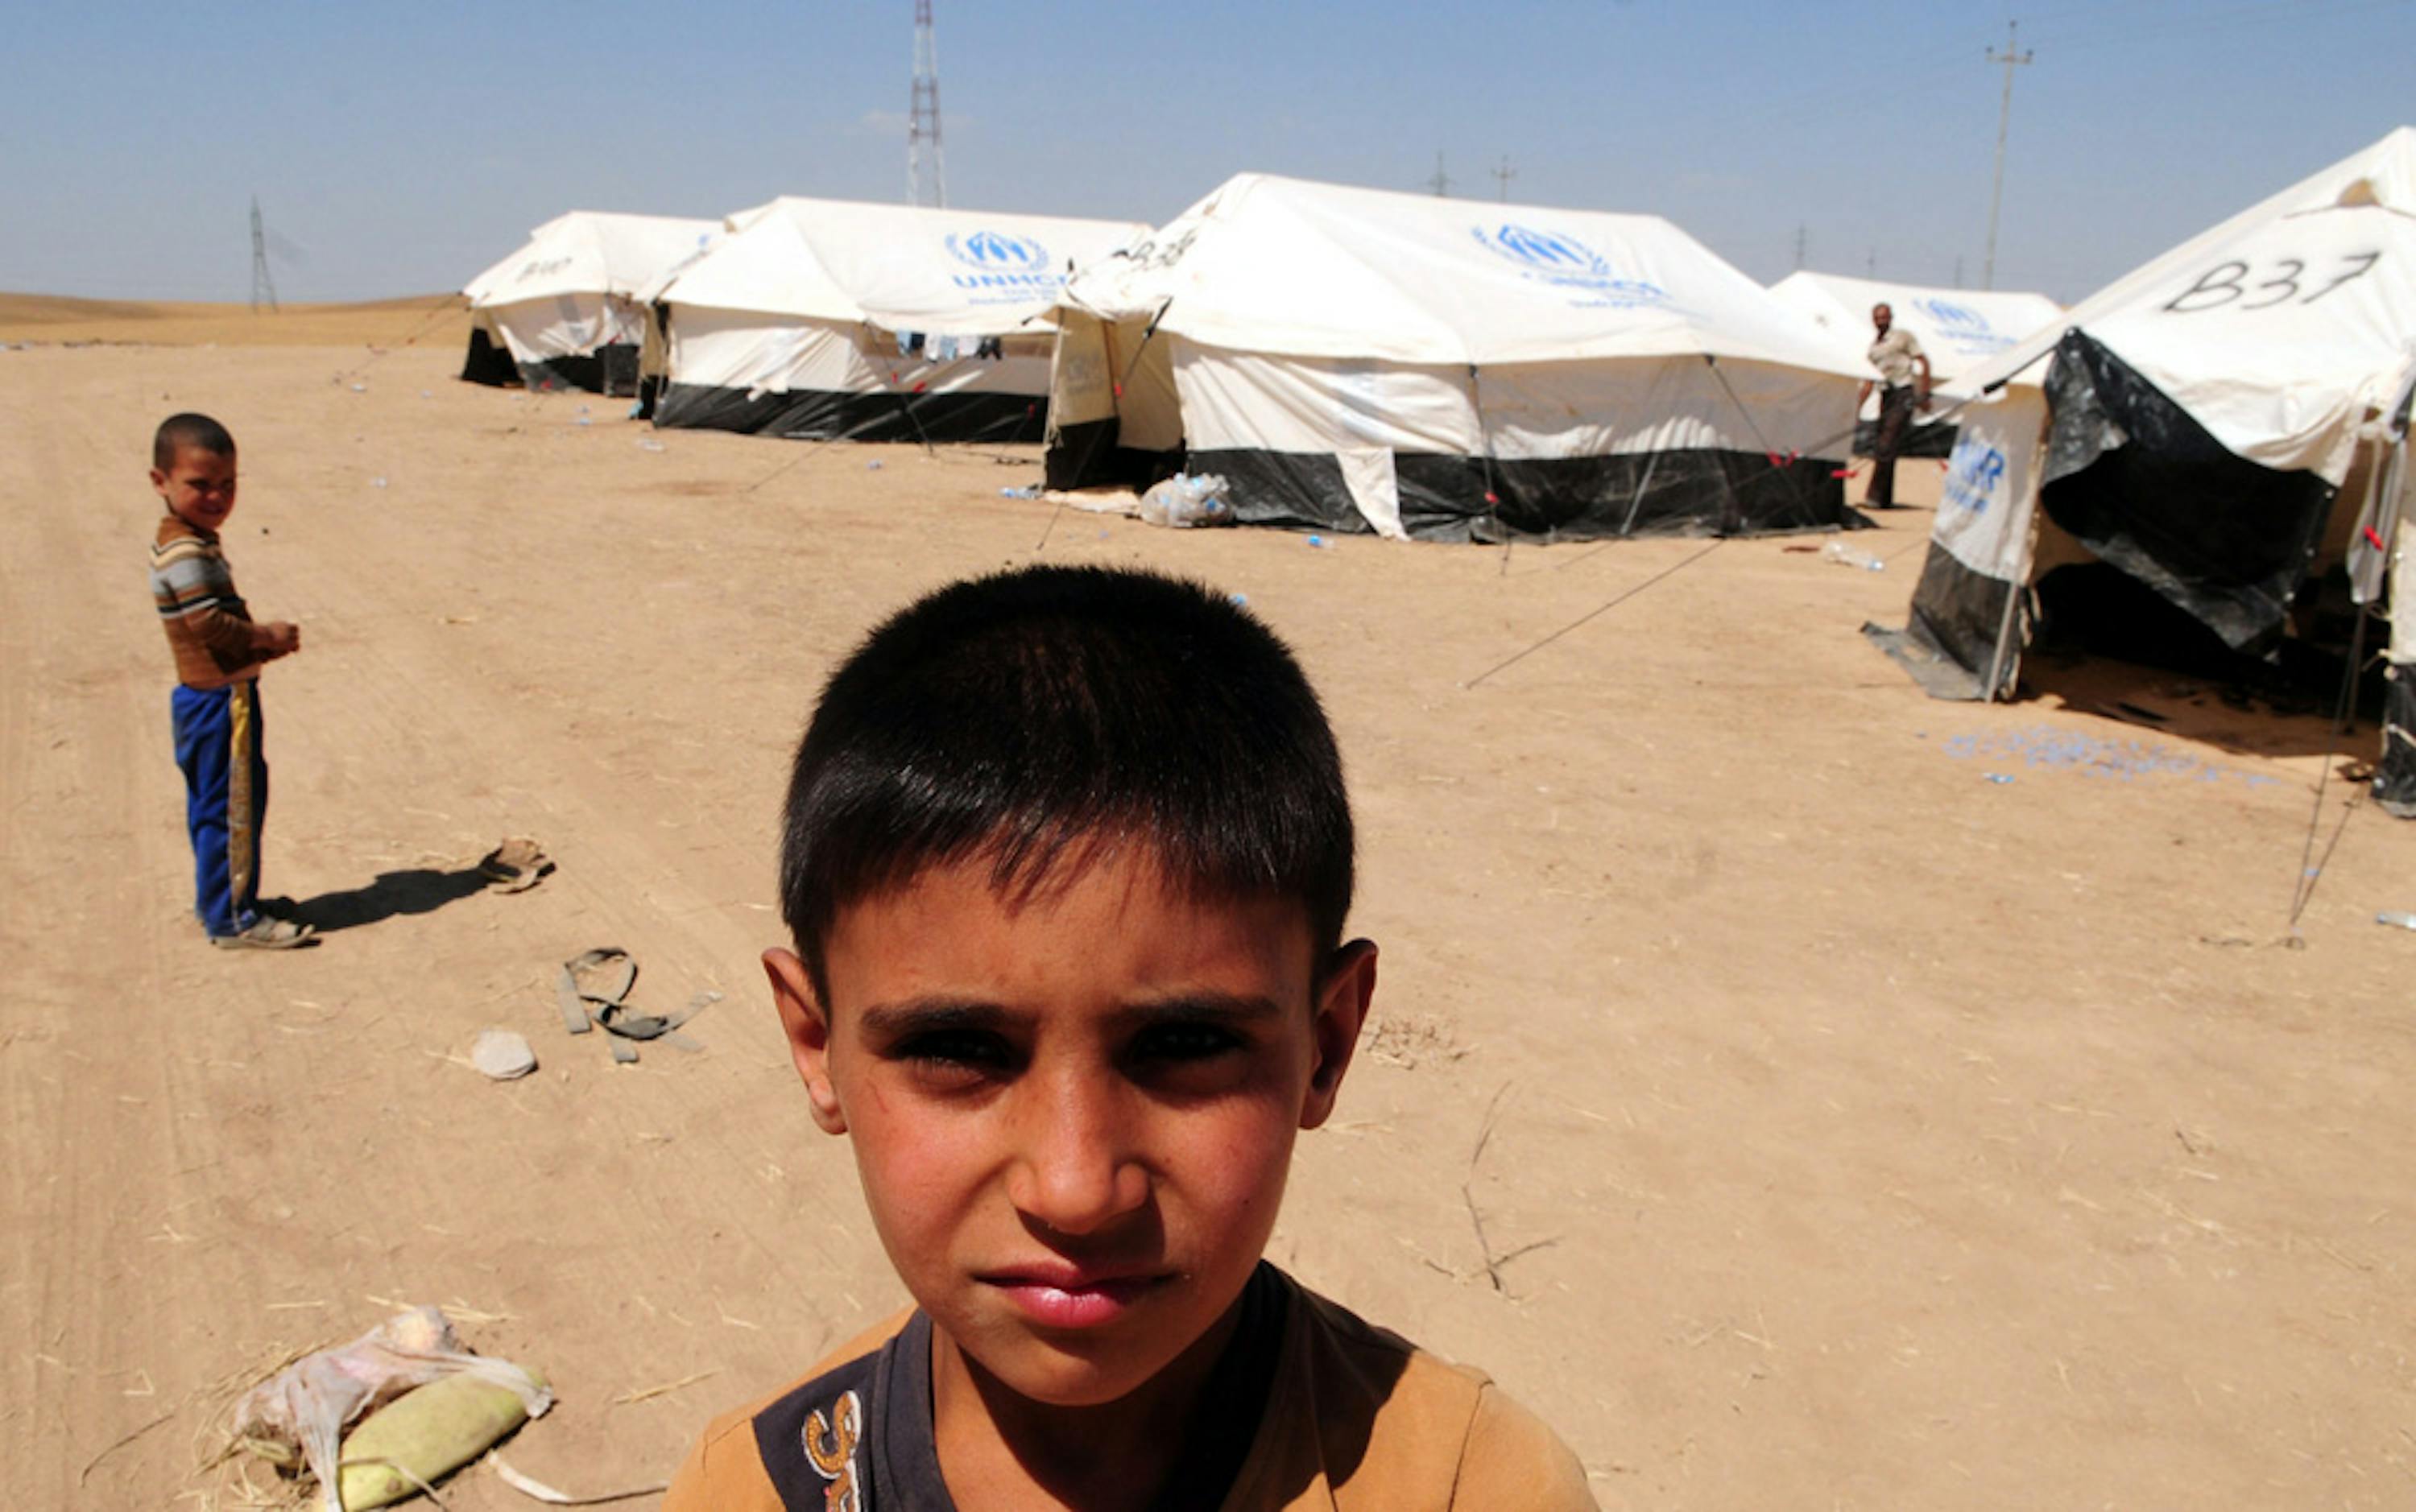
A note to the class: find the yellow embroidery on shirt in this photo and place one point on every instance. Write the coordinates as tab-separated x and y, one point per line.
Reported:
830	1448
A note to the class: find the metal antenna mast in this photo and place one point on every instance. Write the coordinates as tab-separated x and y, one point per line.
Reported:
1502	176
262	286
1440	183
2011	59
923	118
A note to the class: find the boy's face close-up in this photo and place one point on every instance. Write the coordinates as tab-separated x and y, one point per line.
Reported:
199	486
1072	1113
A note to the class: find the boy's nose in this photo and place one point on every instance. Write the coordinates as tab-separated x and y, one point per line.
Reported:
1074	1170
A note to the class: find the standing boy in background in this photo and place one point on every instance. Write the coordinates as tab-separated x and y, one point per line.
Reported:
215	706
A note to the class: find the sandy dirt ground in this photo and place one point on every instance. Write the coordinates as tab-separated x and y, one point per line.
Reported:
1863	1132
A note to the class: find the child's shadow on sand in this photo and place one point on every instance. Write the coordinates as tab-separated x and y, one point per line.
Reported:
420	891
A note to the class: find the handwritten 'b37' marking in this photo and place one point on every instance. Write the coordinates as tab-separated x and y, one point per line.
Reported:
2227	283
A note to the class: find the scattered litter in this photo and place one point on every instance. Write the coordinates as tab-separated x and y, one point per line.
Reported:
1019	493
1851	556
2000	778
377	483
2042	747
543	1492
585	421
2397	918
584	1009
1188	500
873	466
1321	543
360	388
503	1055
516	865
297	1418
1239	601
647	443
1095	501
637	409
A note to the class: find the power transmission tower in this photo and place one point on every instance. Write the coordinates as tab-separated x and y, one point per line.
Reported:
1440	183
1800	232
1871	263
2012	60
1502	176
262	286
922	117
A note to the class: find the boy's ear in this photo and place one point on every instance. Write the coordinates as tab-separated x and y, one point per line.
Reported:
1342	999
159	480
806	1025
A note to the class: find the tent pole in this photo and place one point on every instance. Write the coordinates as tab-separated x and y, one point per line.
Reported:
2004	639
1627	526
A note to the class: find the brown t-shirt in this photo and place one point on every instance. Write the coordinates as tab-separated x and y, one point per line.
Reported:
210	631
1347	1418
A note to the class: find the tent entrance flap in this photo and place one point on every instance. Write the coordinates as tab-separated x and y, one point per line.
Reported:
2144	486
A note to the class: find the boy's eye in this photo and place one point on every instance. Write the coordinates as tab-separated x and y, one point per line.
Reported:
1179	1043
954	1053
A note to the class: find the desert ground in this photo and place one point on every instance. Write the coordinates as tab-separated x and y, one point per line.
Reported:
1791	1114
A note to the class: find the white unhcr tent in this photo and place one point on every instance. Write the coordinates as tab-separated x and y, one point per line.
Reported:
1357	360
1960	329
566	310
2223	428
825	318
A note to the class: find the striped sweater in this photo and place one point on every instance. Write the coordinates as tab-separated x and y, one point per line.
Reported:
209	630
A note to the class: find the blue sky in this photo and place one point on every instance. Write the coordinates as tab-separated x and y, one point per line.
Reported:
399	149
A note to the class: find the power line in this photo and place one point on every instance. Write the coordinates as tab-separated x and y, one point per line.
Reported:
2012	59
1503	175
922	116
262	286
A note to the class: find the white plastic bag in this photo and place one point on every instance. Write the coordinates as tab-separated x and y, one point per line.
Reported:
306	1407
1188	500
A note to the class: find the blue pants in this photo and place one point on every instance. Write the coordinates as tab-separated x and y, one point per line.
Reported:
226	800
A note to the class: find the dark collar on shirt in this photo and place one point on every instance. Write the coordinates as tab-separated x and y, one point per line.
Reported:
867	1423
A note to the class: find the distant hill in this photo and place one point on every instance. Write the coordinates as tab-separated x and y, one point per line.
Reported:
424	320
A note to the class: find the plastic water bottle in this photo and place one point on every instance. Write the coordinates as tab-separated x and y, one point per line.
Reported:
2396	916
1321	543
1853	555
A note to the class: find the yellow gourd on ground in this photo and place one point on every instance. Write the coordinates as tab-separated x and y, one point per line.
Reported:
430	1432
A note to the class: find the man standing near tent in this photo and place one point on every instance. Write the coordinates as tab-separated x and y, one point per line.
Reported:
1905	370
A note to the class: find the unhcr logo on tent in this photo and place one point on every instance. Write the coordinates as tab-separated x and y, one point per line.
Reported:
1962	327
1563	262
1014	267
1974	475
1952	315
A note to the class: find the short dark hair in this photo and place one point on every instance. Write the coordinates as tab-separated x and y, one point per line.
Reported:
189	429
1030	714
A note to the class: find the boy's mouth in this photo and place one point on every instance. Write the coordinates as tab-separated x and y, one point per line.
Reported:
1073	1296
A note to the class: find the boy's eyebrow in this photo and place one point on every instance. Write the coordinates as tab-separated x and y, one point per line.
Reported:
942	1015
1232	1007
927	1015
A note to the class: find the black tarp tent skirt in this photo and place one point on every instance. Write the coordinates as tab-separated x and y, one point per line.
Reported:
2144	486
487	361
1442	497
817	414
609	370
1922	438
